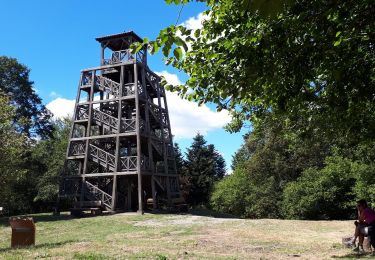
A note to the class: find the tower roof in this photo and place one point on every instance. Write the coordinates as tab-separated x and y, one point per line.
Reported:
119	41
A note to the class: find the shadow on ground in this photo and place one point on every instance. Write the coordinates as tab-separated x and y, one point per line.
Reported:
45	217
210	213
203	212
45	246
354	256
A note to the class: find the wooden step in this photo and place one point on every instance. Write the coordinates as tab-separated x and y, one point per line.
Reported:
88	204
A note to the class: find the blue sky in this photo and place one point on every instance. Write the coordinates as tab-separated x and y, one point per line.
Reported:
56	40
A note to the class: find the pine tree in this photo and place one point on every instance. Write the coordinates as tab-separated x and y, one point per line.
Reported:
204	166
179	159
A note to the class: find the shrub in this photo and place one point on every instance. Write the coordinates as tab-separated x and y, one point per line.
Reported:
247	195
327	193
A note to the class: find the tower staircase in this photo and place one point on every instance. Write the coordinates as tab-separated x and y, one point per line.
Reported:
105	120
102	157
94	200
93	193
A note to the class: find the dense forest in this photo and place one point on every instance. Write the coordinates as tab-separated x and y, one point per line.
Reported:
301	74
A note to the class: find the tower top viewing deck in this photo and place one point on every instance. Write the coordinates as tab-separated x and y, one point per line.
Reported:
120	41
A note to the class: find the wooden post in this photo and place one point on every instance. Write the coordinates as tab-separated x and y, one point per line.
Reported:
85	162
117	149
154	205
114	192
137	126
164	146
149	146
171	140
129	202
103	46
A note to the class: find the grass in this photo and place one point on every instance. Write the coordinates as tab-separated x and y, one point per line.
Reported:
168	236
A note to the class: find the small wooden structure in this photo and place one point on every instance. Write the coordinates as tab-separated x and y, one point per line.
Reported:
120	151
23	231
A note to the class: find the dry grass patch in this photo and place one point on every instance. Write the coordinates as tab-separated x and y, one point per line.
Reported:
166	236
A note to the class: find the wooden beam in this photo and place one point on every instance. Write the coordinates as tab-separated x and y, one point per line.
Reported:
109	174
111	66
137	126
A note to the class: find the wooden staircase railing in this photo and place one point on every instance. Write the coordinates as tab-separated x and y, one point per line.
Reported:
102	157
104	118
107	85
92	192
158	146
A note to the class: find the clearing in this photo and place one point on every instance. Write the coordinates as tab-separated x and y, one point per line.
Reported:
189	236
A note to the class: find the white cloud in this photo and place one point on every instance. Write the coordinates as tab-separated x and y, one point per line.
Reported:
187	118
61	107
194	23
54	94
170	77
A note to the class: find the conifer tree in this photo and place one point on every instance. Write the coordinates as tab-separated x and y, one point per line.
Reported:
204	166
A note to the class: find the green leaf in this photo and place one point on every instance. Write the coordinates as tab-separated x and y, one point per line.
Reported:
178	53
197	33
155	47
139	47
166	50
181	42
338	42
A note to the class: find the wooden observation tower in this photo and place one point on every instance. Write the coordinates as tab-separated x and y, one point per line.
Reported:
120	151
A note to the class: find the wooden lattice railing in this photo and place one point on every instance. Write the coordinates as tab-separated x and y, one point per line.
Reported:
86	79
129	163
77	148
158	146
94	193
128	125
155	111
104	118
128	89
102	157
153	80
123	56
82	112
107	85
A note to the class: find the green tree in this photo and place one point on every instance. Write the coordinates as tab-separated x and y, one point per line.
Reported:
272	156
12	150
179	159
247	194
327	193
204	167
48	162
31	117
314	59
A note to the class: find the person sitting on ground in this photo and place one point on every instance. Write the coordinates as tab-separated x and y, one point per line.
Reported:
357	230
364	226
